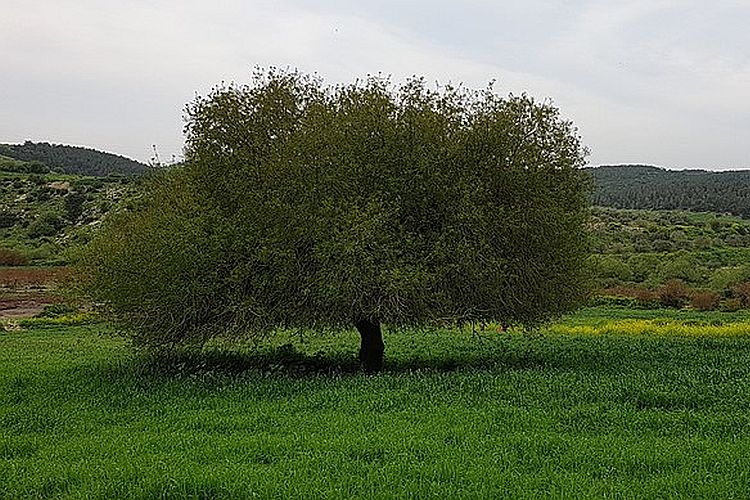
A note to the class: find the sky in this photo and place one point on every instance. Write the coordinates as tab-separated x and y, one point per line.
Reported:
661	82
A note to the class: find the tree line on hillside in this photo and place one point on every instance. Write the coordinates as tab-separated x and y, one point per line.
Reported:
67	159
654	188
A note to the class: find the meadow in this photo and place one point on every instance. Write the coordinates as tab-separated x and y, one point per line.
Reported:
563	412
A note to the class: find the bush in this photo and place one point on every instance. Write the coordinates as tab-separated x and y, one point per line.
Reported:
56	310
646	299
682	266
613	301
741	292
674	293
81	318
46	224
639	297
74	206
705	301
9	257
731	305
724	278
8	219
612	269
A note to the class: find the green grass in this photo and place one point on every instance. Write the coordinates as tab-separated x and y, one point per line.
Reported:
454	415
601	315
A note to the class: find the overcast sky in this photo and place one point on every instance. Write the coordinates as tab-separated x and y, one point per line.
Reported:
658	82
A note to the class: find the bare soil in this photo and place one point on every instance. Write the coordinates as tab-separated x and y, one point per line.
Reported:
24	291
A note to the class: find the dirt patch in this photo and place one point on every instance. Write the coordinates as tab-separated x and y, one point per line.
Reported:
60	185
31	277
25	291
20	309
24	305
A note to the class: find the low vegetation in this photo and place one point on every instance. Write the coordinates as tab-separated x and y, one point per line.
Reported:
455	414
41	216
671	259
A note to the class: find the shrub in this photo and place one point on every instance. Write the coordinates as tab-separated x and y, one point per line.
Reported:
613	301
8	219
705	301
674	293
741	292
9	257
731	305
637	296
55	310
682	266
726	277
81	318
45	224
613	269
646	299
74	206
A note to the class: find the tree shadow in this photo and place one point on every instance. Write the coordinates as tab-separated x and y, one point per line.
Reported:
287	360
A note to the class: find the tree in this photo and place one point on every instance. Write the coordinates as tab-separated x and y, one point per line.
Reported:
306	206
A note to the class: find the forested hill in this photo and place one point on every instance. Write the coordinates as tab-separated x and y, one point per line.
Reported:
648	187
71	159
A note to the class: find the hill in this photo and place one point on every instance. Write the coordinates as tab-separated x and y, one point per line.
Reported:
654	188
649	248
41	157
41	215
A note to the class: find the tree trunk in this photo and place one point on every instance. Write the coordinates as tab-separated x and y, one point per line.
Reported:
371	348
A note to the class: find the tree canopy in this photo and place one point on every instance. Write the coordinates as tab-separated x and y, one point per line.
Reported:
302	205
66	159
654	188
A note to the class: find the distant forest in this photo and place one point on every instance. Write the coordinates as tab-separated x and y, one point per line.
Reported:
67	159
641	187
654	188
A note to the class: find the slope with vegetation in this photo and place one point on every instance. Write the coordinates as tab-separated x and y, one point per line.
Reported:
41	215
43	157
672	258
654	188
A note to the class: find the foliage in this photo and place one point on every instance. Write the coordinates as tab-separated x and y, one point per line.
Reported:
46	224
302	205
620	231
57	310
41	216
674	293
73	319
22	167
708	252
705	301
10	257
653	188
655	327
741	292
41	157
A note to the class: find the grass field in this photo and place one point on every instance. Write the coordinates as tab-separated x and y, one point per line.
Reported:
454	415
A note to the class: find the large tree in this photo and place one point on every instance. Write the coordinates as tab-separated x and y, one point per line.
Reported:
301	205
